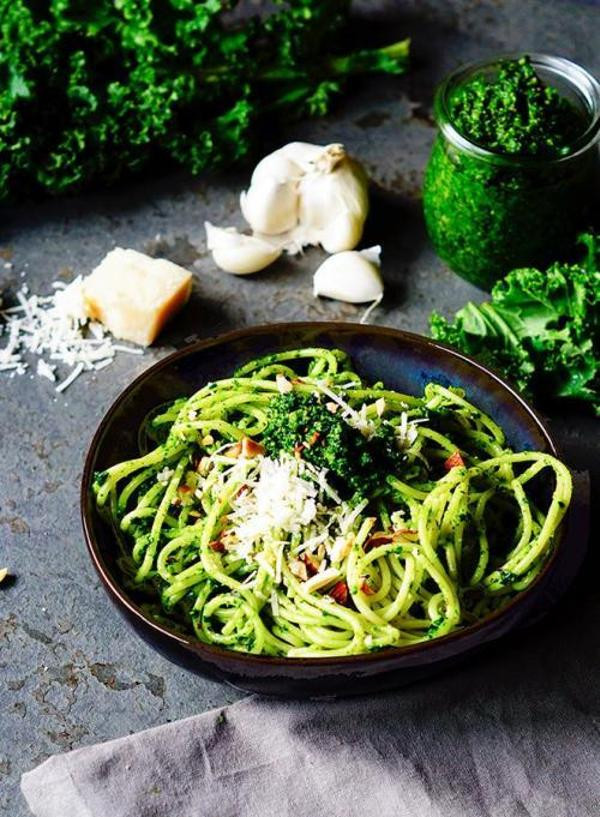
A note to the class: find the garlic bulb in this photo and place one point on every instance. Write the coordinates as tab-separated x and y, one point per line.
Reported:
350	276
238	253
307	194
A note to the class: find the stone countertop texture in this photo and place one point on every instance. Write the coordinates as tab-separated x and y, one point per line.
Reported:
71	672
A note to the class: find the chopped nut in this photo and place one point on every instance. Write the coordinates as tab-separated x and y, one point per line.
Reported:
379	538
312	564
339	592
454	461
332	407
366	588
250	448
298	568
315	437
406	533
203	466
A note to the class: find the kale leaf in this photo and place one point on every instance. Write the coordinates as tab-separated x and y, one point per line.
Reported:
92	91
541	329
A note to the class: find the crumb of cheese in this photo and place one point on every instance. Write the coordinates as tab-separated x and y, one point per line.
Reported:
134	295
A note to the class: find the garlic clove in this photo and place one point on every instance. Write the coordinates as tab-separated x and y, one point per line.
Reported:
237	253
277	165
334	206
270	206
350	276
342	234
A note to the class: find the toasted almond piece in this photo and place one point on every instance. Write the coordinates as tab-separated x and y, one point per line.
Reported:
321	580
250	448
332	407
298	568
339	592
366	588
311	562
378	538
203	465
314	439
455	460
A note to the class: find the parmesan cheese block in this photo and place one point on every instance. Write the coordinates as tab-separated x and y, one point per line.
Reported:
134	295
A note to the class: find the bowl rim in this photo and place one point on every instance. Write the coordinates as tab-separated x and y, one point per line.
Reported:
246	659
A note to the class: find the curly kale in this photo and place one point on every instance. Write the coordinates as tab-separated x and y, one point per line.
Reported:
91	91
541	330
300	423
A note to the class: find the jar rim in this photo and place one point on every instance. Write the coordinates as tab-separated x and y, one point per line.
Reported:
579	78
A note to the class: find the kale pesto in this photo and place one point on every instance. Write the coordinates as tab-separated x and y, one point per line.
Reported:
506	185
299	422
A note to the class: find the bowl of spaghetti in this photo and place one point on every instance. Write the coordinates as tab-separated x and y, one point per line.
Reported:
310	509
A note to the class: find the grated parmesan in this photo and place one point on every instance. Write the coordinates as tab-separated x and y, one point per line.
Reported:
56	329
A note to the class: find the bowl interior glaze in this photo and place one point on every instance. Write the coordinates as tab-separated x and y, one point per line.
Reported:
403	361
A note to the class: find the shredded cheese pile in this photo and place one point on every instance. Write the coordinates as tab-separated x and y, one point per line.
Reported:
56	329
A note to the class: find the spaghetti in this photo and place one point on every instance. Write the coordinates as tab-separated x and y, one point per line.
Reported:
275	550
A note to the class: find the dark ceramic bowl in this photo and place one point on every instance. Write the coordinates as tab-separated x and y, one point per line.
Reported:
405	362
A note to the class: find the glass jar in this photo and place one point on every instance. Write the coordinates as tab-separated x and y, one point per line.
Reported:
489	212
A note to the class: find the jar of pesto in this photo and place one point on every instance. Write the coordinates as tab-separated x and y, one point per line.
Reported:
514	169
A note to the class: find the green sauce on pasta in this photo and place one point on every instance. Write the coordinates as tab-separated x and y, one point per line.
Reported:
271	549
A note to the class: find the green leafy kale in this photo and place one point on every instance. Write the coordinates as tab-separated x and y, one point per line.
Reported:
300	423
91	91
541	330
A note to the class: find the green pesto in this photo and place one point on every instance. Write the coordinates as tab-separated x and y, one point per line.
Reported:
354	462
517	113
521	208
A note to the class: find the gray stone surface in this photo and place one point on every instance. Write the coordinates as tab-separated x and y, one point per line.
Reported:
70	671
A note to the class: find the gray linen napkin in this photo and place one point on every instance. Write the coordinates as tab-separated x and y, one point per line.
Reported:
514	733
447	750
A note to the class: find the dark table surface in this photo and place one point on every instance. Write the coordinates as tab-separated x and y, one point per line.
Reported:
71	673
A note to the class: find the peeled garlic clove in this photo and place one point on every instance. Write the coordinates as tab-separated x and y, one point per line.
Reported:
238	253
350	276
270	206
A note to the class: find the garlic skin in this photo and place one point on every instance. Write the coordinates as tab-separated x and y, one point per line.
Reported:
307	194
237	253
350	276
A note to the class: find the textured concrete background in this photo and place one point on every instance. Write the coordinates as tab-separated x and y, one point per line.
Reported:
71	673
